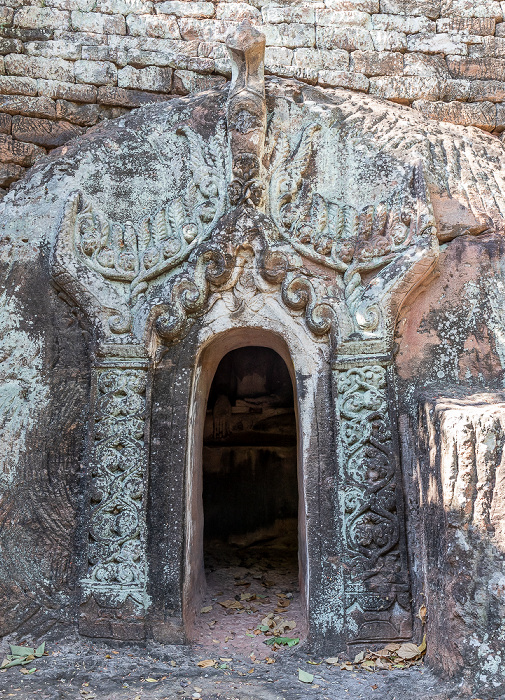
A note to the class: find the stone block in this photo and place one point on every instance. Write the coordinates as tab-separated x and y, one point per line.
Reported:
17	86
9	173
500	117
29	106
124	7
159	26
447	44
82	38
84	115
321	59
490	46
10	46
66	91
54	49
277	54
143	59
423	8
172	46
95	72
204	29
289	35
471	8
377	63
388	41
455	90
41	18
347	38
211	50
370	6
44	132
5	123
6	16
114	96
39	67
425	66
476	68
406	89
301	14
98	22
343	79
481	26
401	23
306	75
83	5
330	18
187	82
105	53
186	9
28	34
238	12
486	91
12	151
482	114
151	78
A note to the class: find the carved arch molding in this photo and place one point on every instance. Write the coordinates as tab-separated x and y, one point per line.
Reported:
250	222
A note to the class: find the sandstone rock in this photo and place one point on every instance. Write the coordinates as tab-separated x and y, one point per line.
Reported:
105	53
29	106
289	35
96	72
486	90
370	6
406	89
186	9
477	68
425	66
467	25
351	81
204	29
437	43
186	82
238	12
44	132
372	63
124	7
9	173
482	114
53	49
98	23
426	8
388	41
301	14
12	151
84	115
467	8
405	24
455	90
151	78
113	96
5	123
306	75
490	46
318	59
41	18
66	91
17	86
160	26
39	67
10	46
329	18
349	38
6	16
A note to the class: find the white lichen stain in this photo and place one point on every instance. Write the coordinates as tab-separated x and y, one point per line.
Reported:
23	394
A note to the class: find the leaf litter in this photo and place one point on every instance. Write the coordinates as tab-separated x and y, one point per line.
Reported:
392	656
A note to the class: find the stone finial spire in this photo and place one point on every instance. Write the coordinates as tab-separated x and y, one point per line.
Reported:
246	114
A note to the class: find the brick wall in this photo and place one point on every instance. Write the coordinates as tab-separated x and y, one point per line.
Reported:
67	64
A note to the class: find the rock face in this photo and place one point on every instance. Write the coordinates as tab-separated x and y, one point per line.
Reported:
359	240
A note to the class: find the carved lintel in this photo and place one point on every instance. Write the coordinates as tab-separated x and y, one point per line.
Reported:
246	114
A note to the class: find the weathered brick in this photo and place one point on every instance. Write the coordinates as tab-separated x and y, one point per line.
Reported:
124	7
351	81
424	8
108	95
39	67
204	29
98	22
13	151
377	63
238	12
66	91
490	46
476	68
348	38
467	25
472	8
160	26
289	35
41	18
321	59
187	82
104	53
301	14
17	86
95	72
370	6
44	132
486	91
388	40
186	8
448	44
151	78
406	89
306	75
54	49
9	173
10	46
5	123
400	23
330	18
482	114
28	106
84	115
425	66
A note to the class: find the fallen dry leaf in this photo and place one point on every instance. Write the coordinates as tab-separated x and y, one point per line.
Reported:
206	609
408	651
422	614
206	663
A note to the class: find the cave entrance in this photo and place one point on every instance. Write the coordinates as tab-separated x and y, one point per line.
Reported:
250	485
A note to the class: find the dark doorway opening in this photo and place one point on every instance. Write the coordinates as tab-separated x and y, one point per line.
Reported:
250	482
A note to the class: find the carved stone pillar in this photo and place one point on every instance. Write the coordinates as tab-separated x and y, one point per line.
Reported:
374	581
114	596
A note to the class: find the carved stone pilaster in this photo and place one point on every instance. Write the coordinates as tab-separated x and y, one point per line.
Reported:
375	578
114	596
